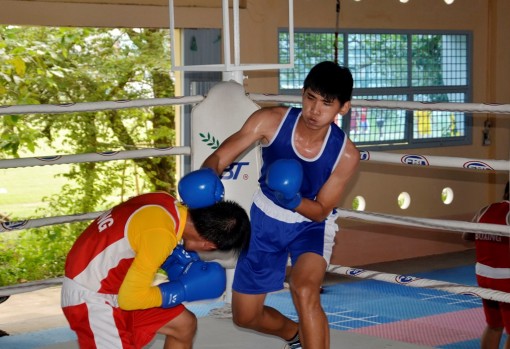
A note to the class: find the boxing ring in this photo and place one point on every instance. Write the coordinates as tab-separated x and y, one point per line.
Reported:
227	101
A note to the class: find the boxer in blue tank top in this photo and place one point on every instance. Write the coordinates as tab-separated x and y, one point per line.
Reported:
293	213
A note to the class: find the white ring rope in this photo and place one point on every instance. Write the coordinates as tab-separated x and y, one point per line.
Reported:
412	281
142	103
42	222
94	157
449	225
406	159
388	104
435	161
443	224
365	155
29	286
403	280
96	106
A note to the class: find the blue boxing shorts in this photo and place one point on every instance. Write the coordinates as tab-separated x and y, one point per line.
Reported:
276	234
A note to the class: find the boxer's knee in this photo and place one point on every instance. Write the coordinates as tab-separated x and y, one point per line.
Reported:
182	328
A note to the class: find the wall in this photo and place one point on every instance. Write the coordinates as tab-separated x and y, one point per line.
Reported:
379	184
362	243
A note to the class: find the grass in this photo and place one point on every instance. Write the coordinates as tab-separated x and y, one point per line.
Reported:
22	189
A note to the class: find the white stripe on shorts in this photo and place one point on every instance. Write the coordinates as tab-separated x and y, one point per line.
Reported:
490	272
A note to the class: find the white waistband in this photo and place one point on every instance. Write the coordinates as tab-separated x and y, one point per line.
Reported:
73	294
279	213
276	212
493	273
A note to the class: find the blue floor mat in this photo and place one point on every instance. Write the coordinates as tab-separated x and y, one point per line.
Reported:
359	303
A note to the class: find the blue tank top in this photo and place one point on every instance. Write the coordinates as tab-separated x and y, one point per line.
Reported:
316	171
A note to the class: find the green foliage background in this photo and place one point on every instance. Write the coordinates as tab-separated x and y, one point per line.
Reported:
43	65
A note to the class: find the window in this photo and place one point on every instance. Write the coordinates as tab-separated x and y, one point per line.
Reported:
404	66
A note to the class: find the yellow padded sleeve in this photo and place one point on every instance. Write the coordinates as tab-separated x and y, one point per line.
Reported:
152	234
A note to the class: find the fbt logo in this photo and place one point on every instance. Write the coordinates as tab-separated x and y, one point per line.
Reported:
234	170
355	272
414	160
14	225
477	165
105	221
404	279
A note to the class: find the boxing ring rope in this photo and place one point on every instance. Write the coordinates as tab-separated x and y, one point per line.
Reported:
443	224
406	159
96	106
404	280
456	226
256	97
365	155
94	157
389	104
412	281
30	286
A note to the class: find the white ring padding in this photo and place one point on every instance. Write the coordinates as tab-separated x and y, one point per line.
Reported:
405	280
94	157
386	104
443	224
95	106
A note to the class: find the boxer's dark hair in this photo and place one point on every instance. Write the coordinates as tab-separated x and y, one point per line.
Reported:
225	223
331	81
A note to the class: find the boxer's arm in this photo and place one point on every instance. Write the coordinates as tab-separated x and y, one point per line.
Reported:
331	192
152	236
259	127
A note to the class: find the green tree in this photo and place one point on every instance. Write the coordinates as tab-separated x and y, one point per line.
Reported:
71	65
44	65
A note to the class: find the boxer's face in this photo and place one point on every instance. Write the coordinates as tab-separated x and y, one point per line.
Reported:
197	243
318	111
193	241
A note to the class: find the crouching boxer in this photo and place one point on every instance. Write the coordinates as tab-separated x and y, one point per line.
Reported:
108	294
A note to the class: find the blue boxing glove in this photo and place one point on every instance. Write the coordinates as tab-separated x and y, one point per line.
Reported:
201	188
175	264
284	178
200	280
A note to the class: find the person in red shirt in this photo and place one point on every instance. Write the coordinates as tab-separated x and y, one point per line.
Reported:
493	270
109	296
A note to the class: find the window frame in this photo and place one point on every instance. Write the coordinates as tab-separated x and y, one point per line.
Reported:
407	91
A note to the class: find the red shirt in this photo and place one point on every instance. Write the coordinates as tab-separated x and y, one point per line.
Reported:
121	251
493	250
